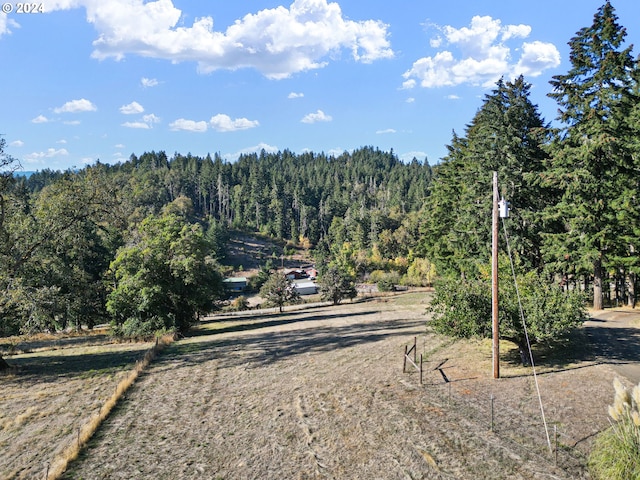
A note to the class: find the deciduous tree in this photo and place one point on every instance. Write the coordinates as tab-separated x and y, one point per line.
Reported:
335	285
278	290
163	278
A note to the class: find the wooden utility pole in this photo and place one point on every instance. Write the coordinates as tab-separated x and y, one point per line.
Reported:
494	279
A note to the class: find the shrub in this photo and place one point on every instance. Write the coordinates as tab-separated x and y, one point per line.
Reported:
462	308
388	282
376	276
421	272
240	303
616	454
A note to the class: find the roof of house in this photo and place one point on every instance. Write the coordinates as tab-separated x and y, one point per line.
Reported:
235	280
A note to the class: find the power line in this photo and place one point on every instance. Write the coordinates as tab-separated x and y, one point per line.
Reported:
526	334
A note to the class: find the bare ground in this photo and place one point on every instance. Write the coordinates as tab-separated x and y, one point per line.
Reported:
320	393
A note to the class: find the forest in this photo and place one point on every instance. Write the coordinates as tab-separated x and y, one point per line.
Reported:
141	243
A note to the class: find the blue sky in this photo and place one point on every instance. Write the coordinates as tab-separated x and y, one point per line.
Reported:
83	80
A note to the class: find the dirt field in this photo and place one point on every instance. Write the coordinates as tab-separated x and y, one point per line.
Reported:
320	393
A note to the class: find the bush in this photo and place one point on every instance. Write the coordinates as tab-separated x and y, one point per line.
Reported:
462	308
137	328
240	303
388	282
420	273
616	453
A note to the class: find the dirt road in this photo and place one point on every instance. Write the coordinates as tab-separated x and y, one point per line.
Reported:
615	339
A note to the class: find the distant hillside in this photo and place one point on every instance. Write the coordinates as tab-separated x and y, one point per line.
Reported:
246	253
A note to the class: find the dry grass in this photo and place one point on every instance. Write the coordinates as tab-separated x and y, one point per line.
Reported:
88	429
51	395
317	393
320	394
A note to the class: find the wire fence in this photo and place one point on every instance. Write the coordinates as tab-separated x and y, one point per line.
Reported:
517	426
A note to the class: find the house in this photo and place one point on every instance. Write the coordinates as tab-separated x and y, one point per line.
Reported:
295	274
306	288
235	284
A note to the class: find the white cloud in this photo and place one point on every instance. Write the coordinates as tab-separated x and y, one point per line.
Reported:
336	152
131	109
408	84
410	100
483	56
388	130
5	23
535	57
119	145
50	153
452	97
409	156
146	123
224	123
319	116
295	95
148	82
188	125
276	41
435	42
255	149
150	118
17	143
141	125
72	122
511	31
40	119
62	141
75	106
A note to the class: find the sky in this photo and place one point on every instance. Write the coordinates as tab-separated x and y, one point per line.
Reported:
88	80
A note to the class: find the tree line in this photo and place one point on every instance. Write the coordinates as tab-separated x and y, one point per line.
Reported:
573	187
141	243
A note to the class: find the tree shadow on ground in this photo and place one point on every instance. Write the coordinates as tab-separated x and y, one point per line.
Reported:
255	323
594	342
264	348
49	367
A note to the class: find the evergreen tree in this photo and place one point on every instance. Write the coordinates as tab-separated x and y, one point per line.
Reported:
507	135
592	164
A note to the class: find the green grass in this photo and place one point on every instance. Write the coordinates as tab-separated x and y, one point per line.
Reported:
413	299
616	454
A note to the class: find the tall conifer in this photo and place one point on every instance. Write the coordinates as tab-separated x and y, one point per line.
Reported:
506	135
592	163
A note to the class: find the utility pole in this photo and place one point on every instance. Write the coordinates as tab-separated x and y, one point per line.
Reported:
494	280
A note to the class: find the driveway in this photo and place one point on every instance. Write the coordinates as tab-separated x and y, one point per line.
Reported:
615	340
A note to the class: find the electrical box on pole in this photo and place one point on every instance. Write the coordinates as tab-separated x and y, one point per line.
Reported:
503	207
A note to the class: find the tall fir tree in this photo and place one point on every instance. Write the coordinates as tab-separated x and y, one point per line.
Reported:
592	164
507	135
